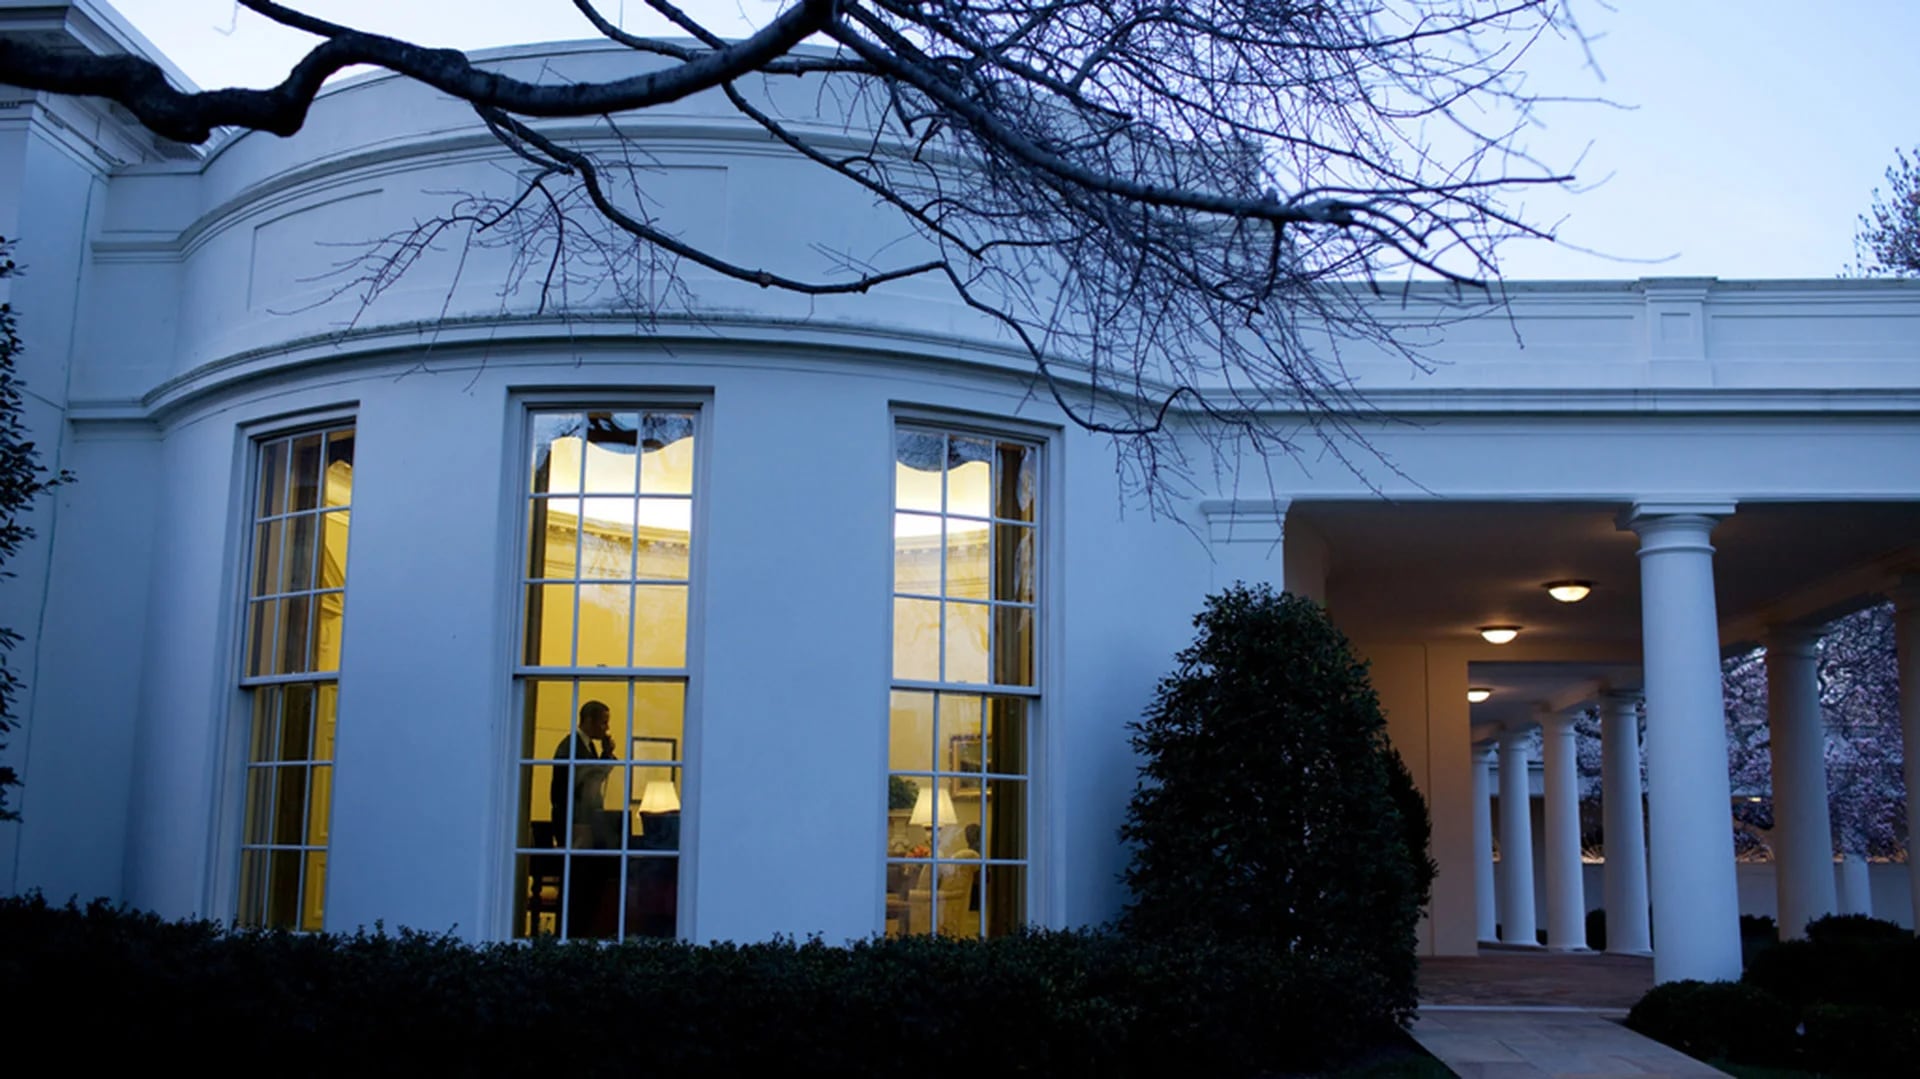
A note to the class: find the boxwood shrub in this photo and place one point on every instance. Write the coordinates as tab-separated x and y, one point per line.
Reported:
126	987
1717	1021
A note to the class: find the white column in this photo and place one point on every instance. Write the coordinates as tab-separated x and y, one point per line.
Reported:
1696	905
1566	901
1626	832
1856	887
1802	832
1906	635
1485	909
1516	841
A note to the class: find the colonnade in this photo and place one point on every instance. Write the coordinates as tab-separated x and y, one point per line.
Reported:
1677	885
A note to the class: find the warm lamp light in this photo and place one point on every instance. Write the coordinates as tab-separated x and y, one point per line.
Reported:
1569	591
923	808
1499	634
1477	694
660	797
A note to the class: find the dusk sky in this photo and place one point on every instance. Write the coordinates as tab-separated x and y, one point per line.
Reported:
1751	136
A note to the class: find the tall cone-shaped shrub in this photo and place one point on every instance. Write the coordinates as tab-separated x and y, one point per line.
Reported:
1269	806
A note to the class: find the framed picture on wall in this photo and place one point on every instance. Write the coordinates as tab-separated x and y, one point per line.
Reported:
964	753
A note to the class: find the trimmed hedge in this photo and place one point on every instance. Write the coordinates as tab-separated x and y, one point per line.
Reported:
1717	1021
122	986
1844	1000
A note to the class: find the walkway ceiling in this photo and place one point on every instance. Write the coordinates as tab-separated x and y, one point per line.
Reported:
1434	572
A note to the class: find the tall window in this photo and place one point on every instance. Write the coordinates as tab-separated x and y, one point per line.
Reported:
602	675
965	588
296	593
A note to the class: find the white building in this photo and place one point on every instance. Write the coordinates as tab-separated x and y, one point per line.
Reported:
800	549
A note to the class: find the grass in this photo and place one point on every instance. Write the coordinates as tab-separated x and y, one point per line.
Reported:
1400	1059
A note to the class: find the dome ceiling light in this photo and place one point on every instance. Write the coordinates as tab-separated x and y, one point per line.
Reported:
1499	634
1476	694
1569	591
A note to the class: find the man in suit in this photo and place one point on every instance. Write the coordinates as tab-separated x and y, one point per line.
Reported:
578	794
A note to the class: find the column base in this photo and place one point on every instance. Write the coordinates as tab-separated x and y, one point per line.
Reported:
1503	946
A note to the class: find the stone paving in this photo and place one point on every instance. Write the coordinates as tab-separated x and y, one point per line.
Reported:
1535	1015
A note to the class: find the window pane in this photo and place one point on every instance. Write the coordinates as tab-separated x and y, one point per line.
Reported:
325	713
916	553
549	626
266	558
916	639
919	459
966	642
261	619
296	572
290	806
273	479
606	624
967	563
613	441
315	888
656	795
261	746
547	718
1013	646
659	714
959	833
960	732
535	825
257	825
969	476
296	723
666	461
615	695
537	898
296	616
606	539
549	429
327	623
1013	550
339	475
1019	482
553	534
910	733
1003	899
333	549
665	535
653	896
283	888
1006	735
593	897
1004	819
305	473
319	805
660	630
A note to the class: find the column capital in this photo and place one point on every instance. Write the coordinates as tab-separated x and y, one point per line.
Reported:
1642	517
1616	699
1558	722
1515	733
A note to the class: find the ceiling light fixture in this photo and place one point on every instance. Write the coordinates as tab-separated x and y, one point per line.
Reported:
1569	591
1476	694
1499	634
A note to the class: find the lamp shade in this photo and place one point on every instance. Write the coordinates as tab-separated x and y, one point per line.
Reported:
923	808
1499	634
1476	694
660	797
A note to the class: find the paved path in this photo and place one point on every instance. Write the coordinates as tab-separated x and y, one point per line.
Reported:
1534	1015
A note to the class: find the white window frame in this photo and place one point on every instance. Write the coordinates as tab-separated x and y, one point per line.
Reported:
526	406
1037	889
